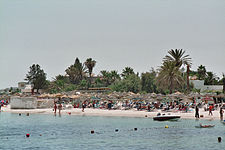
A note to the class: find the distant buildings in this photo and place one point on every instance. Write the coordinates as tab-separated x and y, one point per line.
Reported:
26	88
200	85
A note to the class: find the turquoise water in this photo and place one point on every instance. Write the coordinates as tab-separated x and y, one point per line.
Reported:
73	132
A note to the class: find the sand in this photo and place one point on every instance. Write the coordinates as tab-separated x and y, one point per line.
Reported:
117	113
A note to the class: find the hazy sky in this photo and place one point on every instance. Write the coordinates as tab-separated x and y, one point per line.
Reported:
116	33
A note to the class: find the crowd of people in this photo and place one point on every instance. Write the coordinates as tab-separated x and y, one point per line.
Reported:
210	108
144	106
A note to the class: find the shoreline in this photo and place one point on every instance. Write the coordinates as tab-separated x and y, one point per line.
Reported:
114	113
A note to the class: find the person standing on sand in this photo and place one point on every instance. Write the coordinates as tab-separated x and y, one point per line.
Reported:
210	110
83	106
221	113
196	112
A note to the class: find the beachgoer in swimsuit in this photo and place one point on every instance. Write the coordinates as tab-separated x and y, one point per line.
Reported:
60	108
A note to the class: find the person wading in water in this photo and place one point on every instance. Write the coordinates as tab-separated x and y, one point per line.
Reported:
60	108
55	107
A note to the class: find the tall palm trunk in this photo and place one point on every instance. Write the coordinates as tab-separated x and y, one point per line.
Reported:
171	86
90	79
223	83
188	70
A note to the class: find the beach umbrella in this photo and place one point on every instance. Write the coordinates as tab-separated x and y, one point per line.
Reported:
74	96
221	95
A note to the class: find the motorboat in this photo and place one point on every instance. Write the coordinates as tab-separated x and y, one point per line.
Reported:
168	117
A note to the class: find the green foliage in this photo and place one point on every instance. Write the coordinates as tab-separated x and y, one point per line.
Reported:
132	83
196	90
178	57
193	73
70	87
60	84
148	83
98	83
211	79
62	78
170	77
83	84
127	71
90	64
76	72
37	77
201	72
109	78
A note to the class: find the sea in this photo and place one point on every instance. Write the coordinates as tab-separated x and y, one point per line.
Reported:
69	132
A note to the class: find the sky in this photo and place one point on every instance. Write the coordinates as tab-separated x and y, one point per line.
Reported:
115	33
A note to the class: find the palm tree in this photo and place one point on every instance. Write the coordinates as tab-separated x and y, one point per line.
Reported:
211	78
76	72
180	59
223	80
170	76
114	75
201	72
127	71
90	64
106	77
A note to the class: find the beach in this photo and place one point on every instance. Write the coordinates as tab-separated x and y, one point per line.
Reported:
115	113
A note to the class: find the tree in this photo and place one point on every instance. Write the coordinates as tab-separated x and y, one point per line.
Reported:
60	84
211	79
169	76
114	76
90	64
109	77
177	56
201	72
83	84
148	82
76	72
127	71
37	77
105	77
98	82
223	80
132	83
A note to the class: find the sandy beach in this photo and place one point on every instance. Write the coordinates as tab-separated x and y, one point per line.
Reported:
117	113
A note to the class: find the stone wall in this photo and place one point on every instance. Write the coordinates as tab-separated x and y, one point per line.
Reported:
23	102
45	103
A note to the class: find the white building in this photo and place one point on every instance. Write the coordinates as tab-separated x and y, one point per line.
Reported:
199	84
